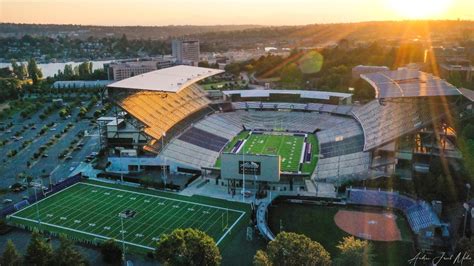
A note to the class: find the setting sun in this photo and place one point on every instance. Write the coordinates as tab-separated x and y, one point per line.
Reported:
416	9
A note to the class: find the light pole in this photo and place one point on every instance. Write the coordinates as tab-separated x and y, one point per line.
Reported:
36	201
163	168
466	207
123	239
243	173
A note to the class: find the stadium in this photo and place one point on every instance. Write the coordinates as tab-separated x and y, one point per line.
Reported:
300	145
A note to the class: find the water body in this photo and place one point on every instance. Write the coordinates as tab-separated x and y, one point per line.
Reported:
50	69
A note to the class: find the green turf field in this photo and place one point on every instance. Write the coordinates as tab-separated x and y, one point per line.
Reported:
289	147
317	222
90	211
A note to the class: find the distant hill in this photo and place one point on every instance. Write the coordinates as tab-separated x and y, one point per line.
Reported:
322	34
224	37
132	32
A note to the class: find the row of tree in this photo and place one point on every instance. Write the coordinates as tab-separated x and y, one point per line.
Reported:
328	69
83	71
41	253
24	71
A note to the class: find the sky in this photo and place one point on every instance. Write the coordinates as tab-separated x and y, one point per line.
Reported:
220	12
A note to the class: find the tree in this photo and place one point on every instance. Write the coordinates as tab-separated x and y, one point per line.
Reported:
67	255
10	88
188	247
20	70
354	252
10	256
68	72
293	249
261	259
291	74
34	72
468	131
111	252
203	64
39	252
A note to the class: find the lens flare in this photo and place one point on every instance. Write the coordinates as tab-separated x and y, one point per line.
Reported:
419	9
311	62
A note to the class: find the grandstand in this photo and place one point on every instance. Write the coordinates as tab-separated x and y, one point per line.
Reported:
177	122
161	99
420	215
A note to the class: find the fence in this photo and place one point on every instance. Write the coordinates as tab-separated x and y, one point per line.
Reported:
40	194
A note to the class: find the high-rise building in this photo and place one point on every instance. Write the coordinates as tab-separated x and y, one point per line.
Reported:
186	51
126	69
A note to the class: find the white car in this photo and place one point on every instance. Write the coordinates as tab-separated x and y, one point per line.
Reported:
6	201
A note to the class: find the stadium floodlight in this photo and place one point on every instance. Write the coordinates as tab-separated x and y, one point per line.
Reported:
243	173
163	168
123	238
466	207
35	186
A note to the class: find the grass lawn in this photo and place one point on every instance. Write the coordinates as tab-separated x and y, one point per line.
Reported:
317	222
221	85
90	211
289	147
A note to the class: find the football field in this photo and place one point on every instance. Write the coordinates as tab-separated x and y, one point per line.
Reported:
290	147
91	212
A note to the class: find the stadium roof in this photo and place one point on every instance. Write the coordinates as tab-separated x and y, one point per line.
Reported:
171	79
408	83
322	95
469	94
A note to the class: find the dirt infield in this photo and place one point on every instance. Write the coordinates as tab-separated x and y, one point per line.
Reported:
369	225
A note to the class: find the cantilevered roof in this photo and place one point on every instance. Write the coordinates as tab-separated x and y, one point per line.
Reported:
171	79
469	94
408	83
322	95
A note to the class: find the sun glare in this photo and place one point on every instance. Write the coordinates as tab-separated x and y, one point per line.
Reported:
420	9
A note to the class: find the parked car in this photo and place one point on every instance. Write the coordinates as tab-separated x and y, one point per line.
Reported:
17	187
7	201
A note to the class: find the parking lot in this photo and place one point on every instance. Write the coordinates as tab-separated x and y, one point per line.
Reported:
46	148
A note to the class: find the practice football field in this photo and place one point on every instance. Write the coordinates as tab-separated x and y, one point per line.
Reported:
288	146
91	212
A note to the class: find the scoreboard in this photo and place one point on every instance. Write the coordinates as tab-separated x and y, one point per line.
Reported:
260	167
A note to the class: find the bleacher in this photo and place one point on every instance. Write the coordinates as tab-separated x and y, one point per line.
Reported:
189	154
323	108
343	167
200	144
345	137
384	123
203	139
420	215
307	122
160	111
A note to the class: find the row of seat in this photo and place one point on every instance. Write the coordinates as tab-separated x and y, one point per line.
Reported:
325	108
385	122
419	213
347	166
161	111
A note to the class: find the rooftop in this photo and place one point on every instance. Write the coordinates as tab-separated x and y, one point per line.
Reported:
171	79
408	83
469	94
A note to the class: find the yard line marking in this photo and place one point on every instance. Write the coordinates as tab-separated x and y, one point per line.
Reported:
161	197
86	233
103	213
